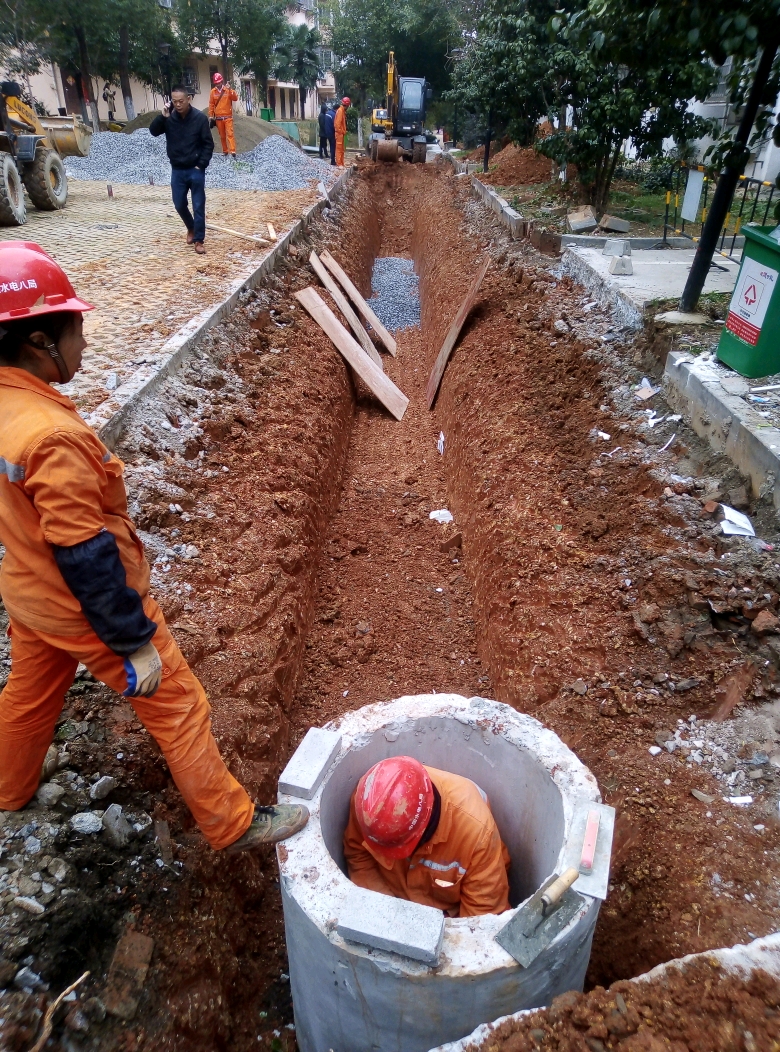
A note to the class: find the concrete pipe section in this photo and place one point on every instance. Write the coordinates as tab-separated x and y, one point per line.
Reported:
352	997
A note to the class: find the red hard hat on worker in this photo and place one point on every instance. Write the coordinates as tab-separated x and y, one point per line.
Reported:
32	283
346	101
393	804
218	78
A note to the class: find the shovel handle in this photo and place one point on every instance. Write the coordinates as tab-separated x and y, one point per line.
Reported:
558	887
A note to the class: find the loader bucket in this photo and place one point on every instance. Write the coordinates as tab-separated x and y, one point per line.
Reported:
70	136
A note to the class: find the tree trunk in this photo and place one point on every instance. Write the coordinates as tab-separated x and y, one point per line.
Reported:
86	76
601	197
303	101
488	137
124	71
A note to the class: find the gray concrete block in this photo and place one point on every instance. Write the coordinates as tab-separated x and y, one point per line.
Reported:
621	265
617	246
309	763
617	226
582	219
392	924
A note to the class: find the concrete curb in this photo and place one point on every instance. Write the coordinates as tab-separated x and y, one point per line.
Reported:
627	311
729	424
516	224
598	241
110	417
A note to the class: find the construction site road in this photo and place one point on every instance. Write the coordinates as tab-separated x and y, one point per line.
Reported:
127	255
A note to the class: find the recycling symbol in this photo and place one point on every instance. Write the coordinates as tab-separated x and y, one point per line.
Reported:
750	295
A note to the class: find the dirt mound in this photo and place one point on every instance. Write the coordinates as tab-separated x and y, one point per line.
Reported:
701	1007
249	131
518	166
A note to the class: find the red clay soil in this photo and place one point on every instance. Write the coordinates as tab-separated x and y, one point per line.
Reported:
699	1008
517	166
305	590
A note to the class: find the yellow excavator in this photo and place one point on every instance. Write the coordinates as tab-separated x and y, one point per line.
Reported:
398	130
31	152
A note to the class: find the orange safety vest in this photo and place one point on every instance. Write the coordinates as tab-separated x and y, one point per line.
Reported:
58	485
221	102
340	121
461	870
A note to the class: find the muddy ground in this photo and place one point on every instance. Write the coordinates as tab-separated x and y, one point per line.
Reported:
288	520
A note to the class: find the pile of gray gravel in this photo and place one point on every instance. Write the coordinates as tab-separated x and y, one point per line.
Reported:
274	164
396	294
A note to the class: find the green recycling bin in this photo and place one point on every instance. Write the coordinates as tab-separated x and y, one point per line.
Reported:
750	341
266	114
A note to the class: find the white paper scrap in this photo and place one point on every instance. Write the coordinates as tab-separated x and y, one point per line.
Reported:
442	515
735	524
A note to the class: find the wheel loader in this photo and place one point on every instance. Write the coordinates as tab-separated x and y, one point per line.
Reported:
399	129
31	152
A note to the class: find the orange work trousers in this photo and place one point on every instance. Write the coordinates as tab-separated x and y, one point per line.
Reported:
340	149
225	129
177	716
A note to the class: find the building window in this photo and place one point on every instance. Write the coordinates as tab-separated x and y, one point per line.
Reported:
190	79
326	58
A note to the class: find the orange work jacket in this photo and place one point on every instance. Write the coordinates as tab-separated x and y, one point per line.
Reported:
221	102
58	485
461	870
340	121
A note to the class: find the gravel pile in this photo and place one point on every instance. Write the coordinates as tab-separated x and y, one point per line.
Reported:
274	164
396	295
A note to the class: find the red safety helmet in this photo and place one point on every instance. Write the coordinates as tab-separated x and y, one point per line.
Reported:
393	804
346	101
32	283
218	78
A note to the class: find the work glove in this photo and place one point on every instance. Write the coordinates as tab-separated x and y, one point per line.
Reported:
144	672
212	123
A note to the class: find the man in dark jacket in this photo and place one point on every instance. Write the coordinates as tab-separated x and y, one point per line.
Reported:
330	132
322	120
190	146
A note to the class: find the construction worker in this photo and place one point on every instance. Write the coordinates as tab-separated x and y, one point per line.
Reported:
221	102
331	133
340	128
322	122
427	836
74	579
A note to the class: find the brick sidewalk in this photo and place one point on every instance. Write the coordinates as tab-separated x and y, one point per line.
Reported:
128	257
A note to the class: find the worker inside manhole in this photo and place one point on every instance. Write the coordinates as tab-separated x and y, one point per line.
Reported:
428	836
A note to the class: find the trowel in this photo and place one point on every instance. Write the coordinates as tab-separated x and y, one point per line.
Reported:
544	916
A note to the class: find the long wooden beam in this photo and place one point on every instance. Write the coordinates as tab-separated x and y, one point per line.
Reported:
341	302
338	273
452	336
377	382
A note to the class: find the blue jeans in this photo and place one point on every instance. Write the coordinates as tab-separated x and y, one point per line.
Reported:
190	180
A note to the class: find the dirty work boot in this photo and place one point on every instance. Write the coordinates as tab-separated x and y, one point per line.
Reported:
200	248
190	237
270	825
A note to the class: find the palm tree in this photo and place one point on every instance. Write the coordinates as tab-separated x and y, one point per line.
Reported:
299	60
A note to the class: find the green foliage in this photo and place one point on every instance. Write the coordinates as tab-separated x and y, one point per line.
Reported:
247	31
297	58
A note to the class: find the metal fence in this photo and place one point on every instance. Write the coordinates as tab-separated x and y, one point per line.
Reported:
752	201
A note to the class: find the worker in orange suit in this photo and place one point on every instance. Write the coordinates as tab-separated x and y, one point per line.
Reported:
340	128
74	578
221	102
427	836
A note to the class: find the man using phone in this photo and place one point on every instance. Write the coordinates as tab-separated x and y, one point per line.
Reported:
189	145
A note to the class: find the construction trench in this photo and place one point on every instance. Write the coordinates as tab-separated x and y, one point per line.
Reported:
287	515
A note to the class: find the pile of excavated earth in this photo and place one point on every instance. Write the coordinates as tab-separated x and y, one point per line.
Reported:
274	164
585	579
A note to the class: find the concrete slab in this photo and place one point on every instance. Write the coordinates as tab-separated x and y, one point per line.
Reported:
372	919
658	274
309	764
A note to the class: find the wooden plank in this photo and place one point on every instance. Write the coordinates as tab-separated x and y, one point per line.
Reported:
235	233
452	336
359	302
382	386
341	302
271	231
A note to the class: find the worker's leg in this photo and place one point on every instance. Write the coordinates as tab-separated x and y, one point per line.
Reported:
324	147
340	150
231	136
178	718
223	135
332	144
29	707
198	189
179	186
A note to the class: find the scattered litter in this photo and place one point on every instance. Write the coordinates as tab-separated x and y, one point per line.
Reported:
646	390
655	750
735	524
664	448
614	451
440	443
704	797
442	515
740	801
604	436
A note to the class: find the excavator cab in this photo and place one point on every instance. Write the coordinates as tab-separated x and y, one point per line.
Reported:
402	132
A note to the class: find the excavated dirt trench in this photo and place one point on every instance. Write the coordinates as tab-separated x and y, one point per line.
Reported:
320	584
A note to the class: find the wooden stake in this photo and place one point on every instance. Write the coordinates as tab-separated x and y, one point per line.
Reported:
341	302
235	233
452	336
359	302
380	385
271	231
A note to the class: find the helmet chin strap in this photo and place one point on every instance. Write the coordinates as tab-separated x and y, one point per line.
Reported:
57	358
